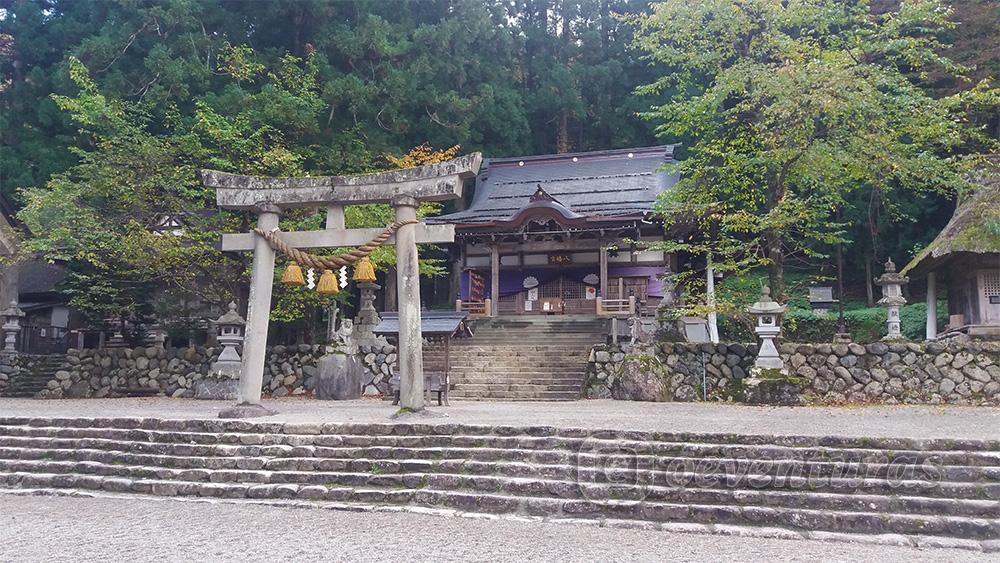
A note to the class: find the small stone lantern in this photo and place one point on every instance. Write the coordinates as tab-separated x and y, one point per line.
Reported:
11	326
768	314
231	328
368	318
892	284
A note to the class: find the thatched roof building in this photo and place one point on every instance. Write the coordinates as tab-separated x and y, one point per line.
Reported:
966	256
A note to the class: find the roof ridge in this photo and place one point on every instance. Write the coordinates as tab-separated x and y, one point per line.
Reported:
575	178
668	150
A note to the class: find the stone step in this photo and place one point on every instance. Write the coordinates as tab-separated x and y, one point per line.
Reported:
381	474
535	450
461	395
524	346
480	379
523	341
520	336
215	430
869	522
592	472
573	369
481	358
515	386
502	367
503	399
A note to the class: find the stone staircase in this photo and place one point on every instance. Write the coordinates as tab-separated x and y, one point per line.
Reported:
34	377
526	358
923	493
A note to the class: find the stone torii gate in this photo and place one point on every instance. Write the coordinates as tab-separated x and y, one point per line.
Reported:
403	189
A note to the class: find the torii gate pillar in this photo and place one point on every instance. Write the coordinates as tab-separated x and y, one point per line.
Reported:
411	355
403	189
258	309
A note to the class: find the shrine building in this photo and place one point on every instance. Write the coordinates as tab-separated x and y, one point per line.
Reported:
563	233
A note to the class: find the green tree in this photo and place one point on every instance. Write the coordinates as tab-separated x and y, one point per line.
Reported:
790	106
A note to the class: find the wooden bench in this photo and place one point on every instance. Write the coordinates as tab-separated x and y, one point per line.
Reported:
433	383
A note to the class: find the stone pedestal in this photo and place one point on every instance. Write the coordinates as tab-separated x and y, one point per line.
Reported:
781	392
340	377
216	389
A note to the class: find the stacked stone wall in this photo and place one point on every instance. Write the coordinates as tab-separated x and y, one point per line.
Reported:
379	362
288	370
955	371
9	367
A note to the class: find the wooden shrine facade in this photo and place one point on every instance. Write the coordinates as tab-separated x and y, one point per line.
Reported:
563	234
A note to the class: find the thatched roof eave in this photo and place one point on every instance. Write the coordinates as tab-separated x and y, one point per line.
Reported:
974	229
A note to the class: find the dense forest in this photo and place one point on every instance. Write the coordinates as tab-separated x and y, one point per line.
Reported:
133	96
501	77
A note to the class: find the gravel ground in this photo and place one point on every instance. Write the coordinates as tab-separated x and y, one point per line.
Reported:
135	530
876	421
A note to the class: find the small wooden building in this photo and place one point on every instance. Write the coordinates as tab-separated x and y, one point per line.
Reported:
562	233
965	256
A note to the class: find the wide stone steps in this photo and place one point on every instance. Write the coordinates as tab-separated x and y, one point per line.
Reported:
514	386
615	482
519	361
520	339
528	370
379	475
926	492
460	392
929	530
517	379
615	477
622	470
653	464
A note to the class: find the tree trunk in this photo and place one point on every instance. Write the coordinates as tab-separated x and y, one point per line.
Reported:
562	134
776	266
775	241
870	297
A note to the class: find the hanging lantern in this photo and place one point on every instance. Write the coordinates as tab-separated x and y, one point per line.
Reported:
327	283
364	271
293	275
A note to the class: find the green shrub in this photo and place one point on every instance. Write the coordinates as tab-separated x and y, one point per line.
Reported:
865	324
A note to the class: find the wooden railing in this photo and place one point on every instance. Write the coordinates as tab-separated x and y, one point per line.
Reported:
475	308
616	307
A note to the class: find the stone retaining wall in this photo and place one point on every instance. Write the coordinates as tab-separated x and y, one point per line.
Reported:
957	370
9	367
379	363
289	370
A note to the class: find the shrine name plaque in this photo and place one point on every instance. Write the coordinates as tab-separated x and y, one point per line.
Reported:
559	258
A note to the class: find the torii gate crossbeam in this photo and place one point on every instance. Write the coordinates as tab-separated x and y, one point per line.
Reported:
403	189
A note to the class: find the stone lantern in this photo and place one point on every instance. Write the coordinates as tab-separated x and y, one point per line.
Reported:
11	317
768	314
231	328
224	376
368	317
892	284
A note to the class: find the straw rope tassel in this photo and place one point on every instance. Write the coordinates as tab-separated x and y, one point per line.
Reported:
330	262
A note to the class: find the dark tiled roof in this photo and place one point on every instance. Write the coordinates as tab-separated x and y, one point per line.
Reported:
597	185
36	277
